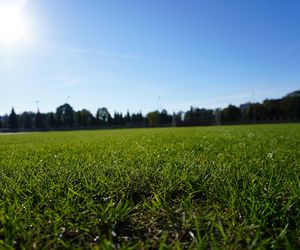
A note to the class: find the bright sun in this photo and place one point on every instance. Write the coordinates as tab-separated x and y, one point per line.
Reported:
11	23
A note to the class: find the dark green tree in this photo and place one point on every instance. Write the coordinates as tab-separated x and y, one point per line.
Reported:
118	119
189	115
77	119
4	121
50	120
103	116
127	119
65	116
196	116
164	117
152	118
290	105
87	118
294	94
13	120
138	119
178	117
231	114
26	120
272	109
39	120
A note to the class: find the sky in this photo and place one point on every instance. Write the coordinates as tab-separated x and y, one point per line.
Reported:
141	55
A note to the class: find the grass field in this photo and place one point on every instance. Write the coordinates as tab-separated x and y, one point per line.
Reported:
231	187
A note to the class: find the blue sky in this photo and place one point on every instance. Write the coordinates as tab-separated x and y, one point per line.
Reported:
138	55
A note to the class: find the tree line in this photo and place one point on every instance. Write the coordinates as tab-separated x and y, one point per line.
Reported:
283	109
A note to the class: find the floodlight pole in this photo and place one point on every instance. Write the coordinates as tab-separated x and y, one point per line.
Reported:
37	105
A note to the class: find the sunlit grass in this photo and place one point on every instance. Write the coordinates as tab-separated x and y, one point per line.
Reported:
215	187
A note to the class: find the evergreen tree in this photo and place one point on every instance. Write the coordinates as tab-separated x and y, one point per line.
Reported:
39	121
13	120
127	118
26	119
50	120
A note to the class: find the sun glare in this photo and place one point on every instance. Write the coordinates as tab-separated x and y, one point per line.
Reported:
11	23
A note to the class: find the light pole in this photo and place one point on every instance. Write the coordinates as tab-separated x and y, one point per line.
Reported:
37	105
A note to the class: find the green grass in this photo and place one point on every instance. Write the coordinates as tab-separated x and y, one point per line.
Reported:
231	187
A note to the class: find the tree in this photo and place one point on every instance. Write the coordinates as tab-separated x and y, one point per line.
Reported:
83	118
140	119
152	118
164	117
231	114
4	121
294	94
26	120
50	120
117	119
273	109
196	116
127	119
77	119
65	116
39	120
13	120
103	116
189	115
86	118
178	117
137	119
290	105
